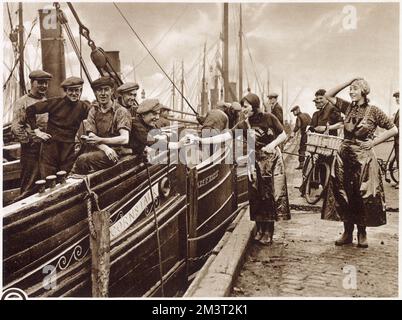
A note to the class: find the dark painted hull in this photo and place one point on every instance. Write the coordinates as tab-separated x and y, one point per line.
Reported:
46	240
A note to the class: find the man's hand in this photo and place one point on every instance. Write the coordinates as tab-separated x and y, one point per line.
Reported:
367	145
189	139
42	135
161	137
320	129
269	148
93	139
110	153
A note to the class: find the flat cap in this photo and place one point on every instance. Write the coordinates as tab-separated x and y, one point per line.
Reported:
222	104
320	92
163	107
72	82
236	106
149	105
40	75
128	86
295	108
396	94
103	81
273	95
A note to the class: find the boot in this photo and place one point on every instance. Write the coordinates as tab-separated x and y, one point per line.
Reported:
347	236
268	234
362	237
258	234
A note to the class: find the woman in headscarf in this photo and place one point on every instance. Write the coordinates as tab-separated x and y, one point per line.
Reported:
355	194
267	187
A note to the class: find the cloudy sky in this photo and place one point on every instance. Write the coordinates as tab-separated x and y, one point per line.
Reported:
305	46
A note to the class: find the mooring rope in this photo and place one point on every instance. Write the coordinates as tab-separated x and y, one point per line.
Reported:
156	228
91	196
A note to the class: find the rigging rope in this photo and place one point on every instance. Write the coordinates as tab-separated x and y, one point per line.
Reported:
19	56
159	41
63	21
252	62
149	52
9	16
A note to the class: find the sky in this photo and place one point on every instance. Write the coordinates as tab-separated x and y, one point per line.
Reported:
302	46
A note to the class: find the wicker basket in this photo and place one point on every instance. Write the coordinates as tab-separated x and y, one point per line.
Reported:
323	144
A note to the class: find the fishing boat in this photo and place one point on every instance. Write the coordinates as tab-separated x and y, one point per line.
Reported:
163	221
46	236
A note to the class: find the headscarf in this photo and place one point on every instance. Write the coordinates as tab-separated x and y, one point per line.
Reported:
252	99
363	85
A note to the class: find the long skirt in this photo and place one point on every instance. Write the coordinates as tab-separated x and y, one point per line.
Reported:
267	189
355	193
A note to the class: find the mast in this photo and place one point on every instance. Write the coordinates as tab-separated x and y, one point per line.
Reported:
268	80
173	90
226	51
284	99
21	50
182	87
240	54
204	95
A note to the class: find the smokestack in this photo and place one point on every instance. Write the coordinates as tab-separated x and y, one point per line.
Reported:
52	47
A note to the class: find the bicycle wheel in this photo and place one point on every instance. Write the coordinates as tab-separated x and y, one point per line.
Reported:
394	170
316	182
308	163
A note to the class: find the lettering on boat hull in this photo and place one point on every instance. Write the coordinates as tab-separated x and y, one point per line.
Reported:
132	215
208	179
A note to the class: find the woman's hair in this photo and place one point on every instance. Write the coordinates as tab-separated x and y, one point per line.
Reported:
364	87
252	99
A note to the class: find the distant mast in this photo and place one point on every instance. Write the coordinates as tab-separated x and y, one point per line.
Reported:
23	90
182	88
173	90
225	66
240	54
204	94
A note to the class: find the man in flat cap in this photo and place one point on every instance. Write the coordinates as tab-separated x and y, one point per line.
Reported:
327	117
127	96
146	120
30	143
66	114
108	127
302	121
145	132
276	108
163	120
216	120
396	138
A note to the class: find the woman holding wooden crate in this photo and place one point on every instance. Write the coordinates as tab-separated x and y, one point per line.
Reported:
355	193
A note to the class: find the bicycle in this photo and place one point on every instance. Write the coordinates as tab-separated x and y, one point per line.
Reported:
391	166
316	172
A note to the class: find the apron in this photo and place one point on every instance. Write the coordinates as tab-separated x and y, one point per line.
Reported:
355	192
267	188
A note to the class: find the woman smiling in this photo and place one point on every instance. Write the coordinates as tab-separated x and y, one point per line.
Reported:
355	193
